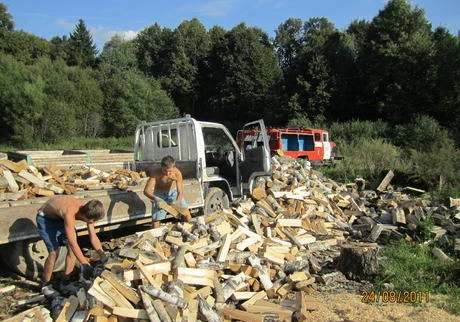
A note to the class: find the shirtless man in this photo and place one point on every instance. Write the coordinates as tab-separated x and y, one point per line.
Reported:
165	185
56	226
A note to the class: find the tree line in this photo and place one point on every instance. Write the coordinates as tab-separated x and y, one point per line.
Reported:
394	68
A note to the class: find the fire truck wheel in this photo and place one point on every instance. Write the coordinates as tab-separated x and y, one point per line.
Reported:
216	200
27	257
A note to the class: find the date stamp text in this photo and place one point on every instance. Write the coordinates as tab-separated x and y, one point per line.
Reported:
395	296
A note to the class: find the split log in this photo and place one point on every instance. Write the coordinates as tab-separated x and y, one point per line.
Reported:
215	236
138	314
385	182
148	305
11	183
219	292
158	293
69	308
178	260
241	315
258	193
188	235
161	311
207	311
223	251
233	284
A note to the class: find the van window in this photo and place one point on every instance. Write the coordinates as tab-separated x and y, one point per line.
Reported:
167	138
326	137
216	139
317	137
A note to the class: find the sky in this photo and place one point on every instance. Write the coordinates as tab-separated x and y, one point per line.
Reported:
105	18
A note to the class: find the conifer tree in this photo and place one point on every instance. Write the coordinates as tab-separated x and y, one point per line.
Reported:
81	49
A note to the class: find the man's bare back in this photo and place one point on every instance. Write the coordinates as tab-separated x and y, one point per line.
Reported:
58	207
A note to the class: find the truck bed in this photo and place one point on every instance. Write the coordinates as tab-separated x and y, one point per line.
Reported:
17	218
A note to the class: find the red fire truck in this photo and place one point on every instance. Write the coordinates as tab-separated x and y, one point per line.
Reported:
299	142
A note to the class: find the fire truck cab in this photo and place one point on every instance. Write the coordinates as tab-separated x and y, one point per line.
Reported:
300	142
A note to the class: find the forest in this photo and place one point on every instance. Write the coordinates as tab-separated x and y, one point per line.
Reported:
388	89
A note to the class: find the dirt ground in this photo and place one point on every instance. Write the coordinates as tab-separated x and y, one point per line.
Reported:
348	307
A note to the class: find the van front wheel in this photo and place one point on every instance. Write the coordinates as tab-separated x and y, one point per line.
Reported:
216	200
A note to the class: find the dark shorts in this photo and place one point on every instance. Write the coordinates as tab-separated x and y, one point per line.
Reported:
52	232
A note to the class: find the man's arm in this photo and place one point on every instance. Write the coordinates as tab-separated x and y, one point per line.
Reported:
179	185
69	227
149	187
93	239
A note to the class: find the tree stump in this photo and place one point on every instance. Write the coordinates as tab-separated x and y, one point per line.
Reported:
359	261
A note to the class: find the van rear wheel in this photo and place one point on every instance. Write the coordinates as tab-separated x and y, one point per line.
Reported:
27	257
216	200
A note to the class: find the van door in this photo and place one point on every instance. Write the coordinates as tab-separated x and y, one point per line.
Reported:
254	146
327	146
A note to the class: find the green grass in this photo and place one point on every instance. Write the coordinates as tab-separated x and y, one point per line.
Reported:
411	267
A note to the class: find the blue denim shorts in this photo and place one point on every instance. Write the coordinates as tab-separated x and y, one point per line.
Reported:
171	198
51	231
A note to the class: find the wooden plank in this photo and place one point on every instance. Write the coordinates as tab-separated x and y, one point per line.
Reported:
119	299
68	309
239	296
100	295
153	269
258	296
242	245
12	185
385	182
263	306
190	259
399	217
31	178
42	192
16	167
147	274
241	315
130	313
256	224
204	292
195	276
289	222
266	206
192	311
223	251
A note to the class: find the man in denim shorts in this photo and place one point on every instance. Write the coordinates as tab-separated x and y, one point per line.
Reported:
56	226
165	185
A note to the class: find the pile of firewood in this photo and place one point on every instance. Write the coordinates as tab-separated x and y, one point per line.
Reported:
259	260
21	181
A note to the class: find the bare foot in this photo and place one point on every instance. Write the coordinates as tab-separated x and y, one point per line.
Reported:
156	224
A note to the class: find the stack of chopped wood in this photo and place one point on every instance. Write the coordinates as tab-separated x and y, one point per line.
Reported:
20	181
255	262
258	261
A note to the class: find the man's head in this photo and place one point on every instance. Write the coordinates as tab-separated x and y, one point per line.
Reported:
167	165
168	162
93	210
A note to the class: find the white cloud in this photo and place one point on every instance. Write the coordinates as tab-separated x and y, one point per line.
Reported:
103	34
100	34
218	8
67	25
